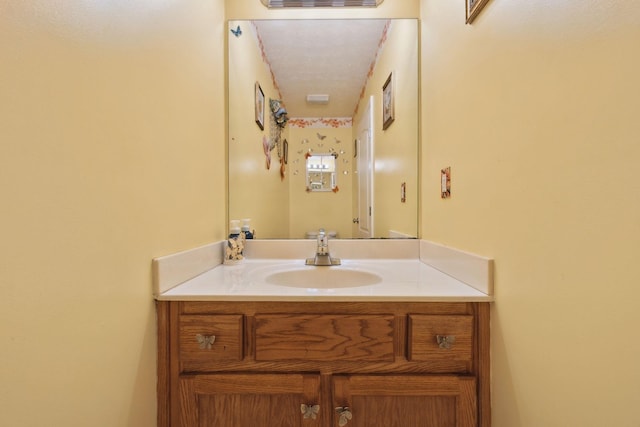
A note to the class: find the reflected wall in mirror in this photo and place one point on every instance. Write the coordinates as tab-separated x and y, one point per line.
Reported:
329	75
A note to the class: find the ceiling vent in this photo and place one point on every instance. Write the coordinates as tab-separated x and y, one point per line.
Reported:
318	99
320	3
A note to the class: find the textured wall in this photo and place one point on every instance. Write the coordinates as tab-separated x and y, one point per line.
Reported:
111	124
533	107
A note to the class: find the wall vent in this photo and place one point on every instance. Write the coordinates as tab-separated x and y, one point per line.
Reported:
318	99
321	3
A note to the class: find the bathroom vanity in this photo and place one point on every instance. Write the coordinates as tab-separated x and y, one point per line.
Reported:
234	350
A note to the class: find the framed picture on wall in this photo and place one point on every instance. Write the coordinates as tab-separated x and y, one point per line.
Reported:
388	110
259	106
285	151
473	8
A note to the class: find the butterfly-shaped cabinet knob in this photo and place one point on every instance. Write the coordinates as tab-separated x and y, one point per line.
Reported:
445	341
309	411
344	415
205	341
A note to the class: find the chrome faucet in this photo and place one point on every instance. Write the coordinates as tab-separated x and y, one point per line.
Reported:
322	252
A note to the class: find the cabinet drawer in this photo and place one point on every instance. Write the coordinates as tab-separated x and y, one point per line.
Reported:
446	341
327	337
206	339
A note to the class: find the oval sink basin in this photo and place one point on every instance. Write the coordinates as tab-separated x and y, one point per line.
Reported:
323	277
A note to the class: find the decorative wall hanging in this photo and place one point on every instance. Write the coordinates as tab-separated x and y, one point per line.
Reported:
278	120
259	106
237	32
473	8
388	110
321	122
283	169
279	113
267	151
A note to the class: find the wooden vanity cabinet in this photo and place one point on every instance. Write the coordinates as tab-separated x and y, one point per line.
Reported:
257	400
408	400
324	364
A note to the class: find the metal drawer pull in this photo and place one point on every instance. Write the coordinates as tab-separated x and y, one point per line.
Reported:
345	415
310	411
205	341
445	341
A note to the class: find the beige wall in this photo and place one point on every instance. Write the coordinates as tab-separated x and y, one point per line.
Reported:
311	211
534	108
111	137
111	134
257	192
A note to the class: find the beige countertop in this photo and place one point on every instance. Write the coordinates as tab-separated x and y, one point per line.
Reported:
401	280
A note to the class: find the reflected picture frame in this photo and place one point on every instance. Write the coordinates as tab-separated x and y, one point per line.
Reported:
259	106
388	103
285	152
473	8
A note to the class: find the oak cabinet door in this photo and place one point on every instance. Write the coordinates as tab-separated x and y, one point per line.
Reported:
249	400
404	401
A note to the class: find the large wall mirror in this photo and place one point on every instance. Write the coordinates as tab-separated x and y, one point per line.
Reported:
348	91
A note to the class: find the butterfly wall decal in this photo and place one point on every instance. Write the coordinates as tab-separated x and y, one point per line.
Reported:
237	32
321	137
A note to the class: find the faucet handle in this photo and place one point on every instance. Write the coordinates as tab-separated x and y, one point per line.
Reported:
323	243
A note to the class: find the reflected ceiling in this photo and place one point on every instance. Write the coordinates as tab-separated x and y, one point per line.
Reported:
302	53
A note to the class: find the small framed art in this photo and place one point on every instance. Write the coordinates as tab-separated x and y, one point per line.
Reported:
285	151
388	109
259	106
473	8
